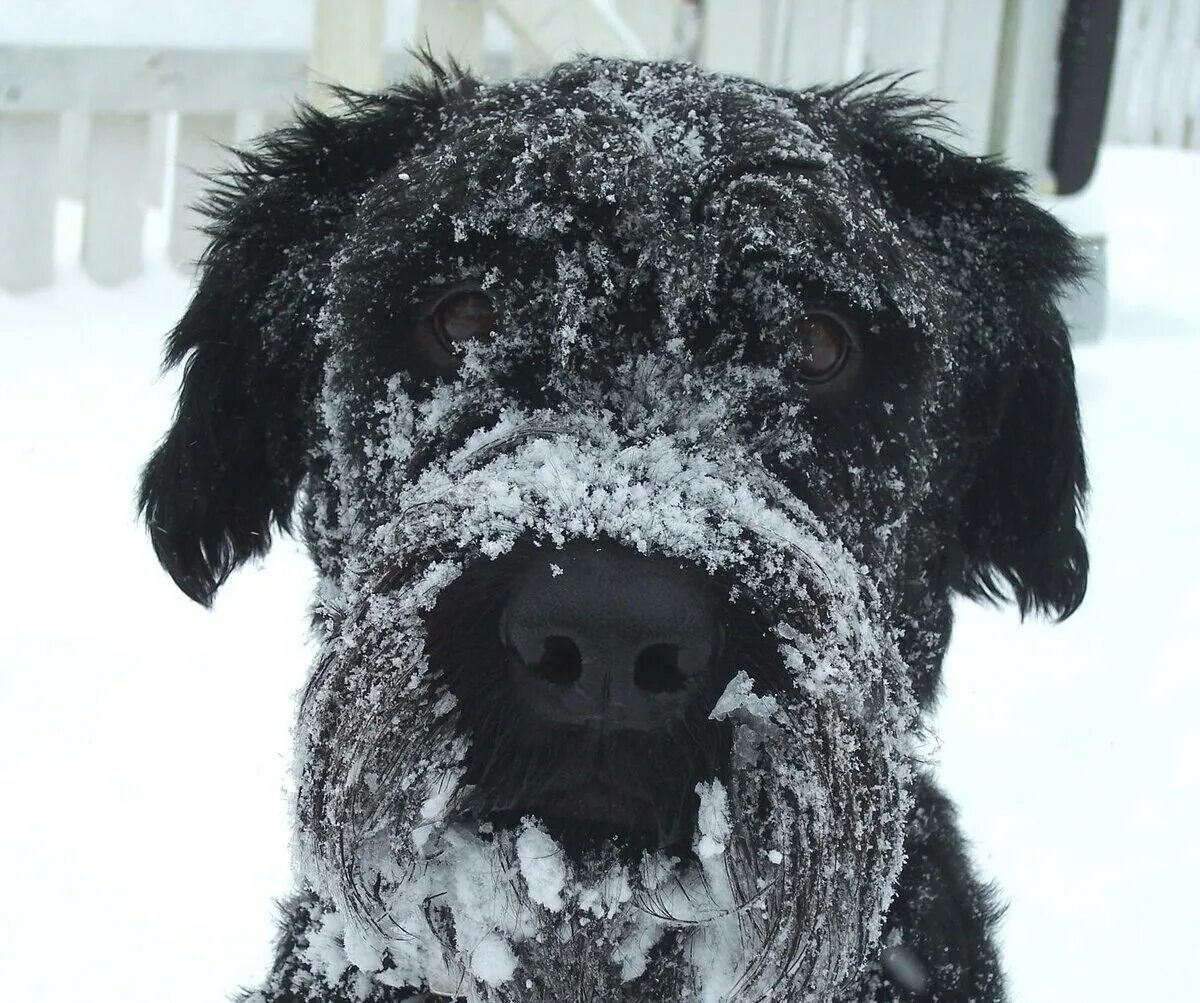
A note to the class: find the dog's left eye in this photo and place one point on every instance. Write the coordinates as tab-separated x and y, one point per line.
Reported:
447	324
825	343
462	316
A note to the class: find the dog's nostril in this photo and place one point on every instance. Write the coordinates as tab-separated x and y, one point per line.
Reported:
561	662
656	669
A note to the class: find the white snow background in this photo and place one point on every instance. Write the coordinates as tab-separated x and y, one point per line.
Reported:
144	741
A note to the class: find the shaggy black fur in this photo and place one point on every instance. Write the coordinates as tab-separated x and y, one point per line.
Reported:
944	917
965	384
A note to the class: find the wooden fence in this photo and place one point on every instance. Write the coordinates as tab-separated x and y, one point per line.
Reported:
1155	95
124	129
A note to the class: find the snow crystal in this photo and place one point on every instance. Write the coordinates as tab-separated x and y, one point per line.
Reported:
542	866
739	702
713	820
492	961
433	810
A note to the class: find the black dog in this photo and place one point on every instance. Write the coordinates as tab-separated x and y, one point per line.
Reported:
645	422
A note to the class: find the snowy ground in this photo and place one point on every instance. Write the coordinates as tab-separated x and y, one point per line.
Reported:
144	741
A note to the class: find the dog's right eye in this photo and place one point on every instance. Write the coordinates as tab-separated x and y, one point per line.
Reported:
826	344
447	324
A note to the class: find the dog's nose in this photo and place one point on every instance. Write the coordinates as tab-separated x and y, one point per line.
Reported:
603	636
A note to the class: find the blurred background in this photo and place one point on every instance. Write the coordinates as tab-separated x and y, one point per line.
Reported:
144	742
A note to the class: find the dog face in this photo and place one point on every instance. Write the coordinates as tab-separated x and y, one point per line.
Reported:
645	421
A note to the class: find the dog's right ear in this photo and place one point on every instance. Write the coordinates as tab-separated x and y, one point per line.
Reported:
230	465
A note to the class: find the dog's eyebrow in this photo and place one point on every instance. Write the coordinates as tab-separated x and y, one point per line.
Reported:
723	175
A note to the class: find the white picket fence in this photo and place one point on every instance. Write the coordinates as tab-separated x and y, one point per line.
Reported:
122	130
1155	96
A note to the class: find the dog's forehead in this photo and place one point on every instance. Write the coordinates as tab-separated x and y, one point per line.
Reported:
641	171
665	124
653	140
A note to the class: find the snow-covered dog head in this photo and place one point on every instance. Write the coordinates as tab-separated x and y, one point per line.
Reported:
645	421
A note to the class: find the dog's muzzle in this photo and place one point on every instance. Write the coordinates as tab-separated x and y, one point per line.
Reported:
562	645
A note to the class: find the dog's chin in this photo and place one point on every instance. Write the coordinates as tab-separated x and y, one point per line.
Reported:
600	818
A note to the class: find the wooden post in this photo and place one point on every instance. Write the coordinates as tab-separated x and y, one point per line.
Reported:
115	196
198	152
1142	49
452	29
814	50
970	53
550	30
907	35
1027	80
28	193
347	49
734	36
654	22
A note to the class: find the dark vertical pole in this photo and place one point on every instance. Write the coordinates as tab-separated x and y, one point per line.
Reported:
1085	67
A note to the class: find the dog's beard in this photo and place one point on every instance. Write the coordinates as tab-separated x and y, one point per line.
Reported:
796	849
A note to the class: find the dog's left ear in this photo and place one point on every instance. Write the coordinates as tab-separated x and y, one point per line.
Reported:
1006	263
1019	521
229	467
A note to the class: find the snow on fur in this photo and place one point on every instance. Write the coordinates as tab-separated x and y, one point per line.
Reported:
662	456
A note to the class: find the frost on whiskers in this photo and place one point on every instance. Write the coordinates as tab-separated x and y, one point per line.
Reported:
376	785
640	437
